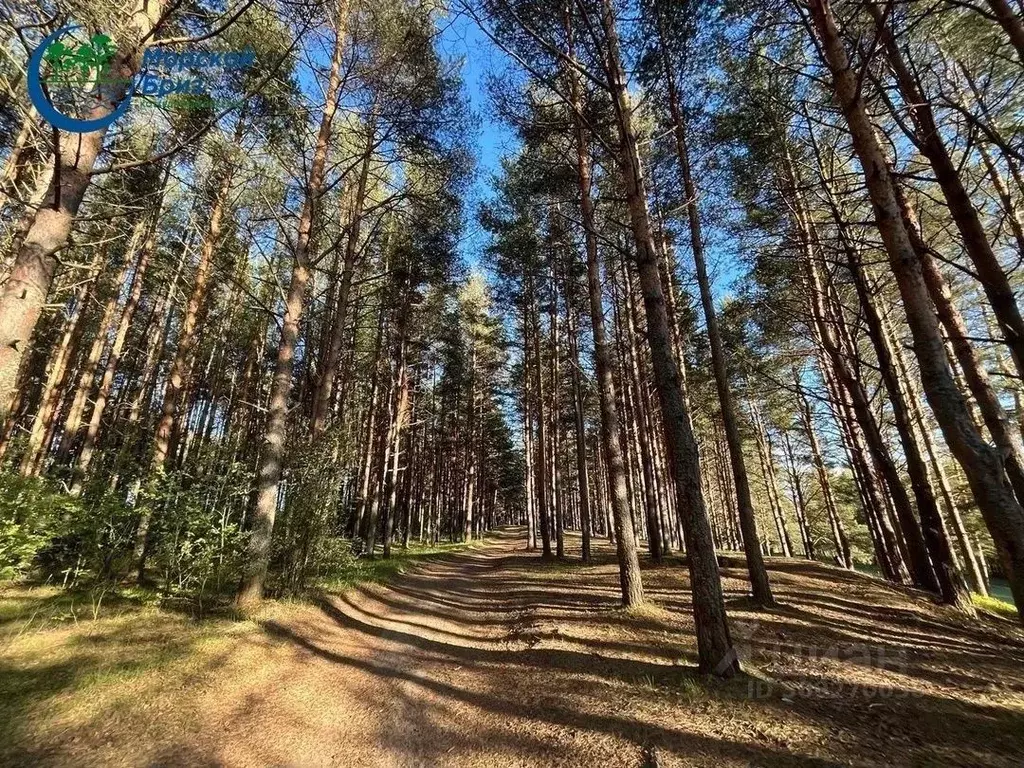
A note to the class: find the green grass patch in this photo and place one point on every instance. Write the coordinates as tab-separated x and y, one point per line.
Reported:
67	655
25	607
377	570
566	565
995	605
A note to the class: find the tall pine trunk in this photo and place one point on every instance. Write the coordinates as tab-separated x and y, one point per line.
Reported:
257	554
24	293
928	138
116	348
610	456
982	465
714	645
325	387
748	522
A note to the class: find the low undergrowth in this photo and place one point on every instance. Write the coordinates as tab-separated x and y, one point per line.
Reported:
366	570
996	606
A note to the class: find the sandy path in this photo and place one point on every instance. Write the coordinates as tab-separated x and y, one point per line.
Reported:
491	658
487	658
444	667
477	660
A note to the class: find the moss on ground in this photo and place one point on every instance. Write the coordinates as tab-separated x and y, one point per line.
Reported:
996	606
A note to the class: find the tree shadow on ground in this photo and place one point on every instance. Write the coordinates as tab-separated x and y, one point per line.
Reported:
630	729
934	648
486	657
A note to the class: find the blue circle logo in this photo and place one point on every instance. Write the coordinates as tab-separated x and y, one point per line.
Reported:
74	68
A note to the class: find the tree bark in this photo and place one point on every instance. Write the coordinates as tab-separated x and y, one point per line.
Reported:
715	651
983	466
950	582
188	337
839	537
24	294
116	348
57	374
1009	20
401	415
184	359
582	475
635	412
745	506
771	487
322	395
555	424
257	555
916	551
928	139
542	465
87	375
972	570
610	455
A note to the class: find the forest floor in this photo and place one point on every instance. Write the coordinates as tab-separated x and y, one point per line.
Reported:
489	657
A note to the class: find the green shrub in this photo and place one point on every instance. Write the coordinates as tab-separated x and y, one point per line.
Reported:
46	531
195	542
194	539
31	512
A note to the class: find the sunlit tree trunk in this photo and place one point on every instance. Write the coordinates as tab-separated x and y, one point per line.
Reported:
839	538
184	359
610	457
928	139
888	549
528	440
14	166
635	411
370	439
745	506
982	465
796	494
950	581
1009	19
582	473
542	464
554	425
401	416
325	388
972	569
87	375
257	555
56	377
24	293
714	645
116	348
770	481
1009	205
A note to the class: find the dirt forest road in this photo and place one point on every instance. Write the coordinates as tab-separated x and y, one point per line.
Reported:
488	658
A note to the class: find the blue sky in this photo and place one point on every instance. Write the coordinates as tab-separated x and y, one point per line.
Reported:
463	41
